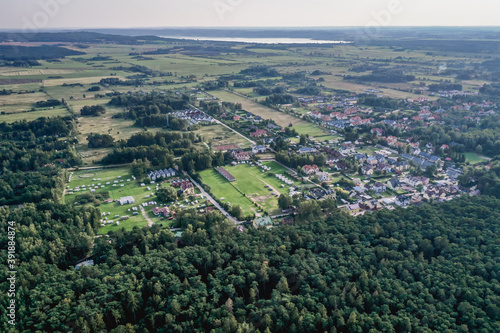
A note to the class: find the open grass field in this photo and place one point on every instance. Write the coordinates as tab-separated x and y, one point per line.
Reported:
32	115
281	118
249	187
474	158
218	135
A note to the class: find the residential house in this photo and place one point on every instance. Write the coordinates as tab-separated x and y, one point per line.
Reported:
319	193
378	187
352	209
372	160
370	205
323	176
310	169
259	149
187	189
360	158
258	133
393	184
306	150
402	200
241	156
367	170
264	221
164	211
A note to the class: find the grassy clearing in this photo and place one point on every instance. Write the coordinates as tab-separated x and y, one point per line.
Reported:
32	115
474	158
218	135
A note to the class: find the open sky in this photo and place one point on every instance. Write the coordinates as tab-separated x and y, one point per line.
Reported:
50	14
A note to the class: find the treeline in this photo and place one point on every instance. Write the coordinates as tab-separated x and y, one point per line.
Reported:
48	103
432	268
490	89
141	105
276	99
142	69
93	111
159	148
379	103
97	140
114	81
44	52
20	63
309	90
384	76
435	87
299	160
260	71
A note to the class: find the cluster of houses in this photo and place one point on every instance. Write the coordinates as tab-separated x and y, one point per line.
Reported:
194	117
436	193
321	193
159	174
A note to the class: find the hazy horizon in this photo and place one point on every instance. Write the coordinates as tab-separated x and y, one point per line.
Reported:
160	14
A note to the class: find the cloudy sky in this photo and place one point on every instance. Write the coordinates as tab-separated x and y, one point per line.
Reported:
49	14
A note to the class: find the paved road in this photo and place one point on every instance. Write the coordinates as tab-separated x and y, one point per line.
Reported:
212	200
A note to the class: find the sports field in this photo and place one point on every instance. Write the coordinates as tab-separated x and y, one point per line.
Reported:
249	188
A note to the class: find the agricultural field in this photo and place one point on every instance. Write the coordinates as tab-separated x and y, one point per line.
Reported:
252	186
281	118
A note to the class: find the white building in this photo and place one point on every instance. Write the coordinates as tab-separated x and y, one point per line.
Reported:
126	200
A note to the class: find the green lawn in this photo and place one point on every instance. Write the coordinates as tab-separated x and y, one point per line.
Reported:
251	181
474	158
221	188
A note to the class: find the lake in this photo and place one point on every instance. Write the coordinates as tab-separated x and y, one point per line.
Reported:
261	40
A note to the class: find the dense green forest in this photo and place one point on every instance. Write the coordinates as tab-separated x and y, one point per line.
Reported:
35	52
427	269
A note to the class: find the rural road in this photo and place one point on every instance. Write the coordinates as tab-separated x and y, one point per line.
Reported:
212	200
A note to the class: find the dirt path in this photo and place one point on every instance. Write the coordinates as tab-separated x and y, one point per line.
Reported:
150	222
